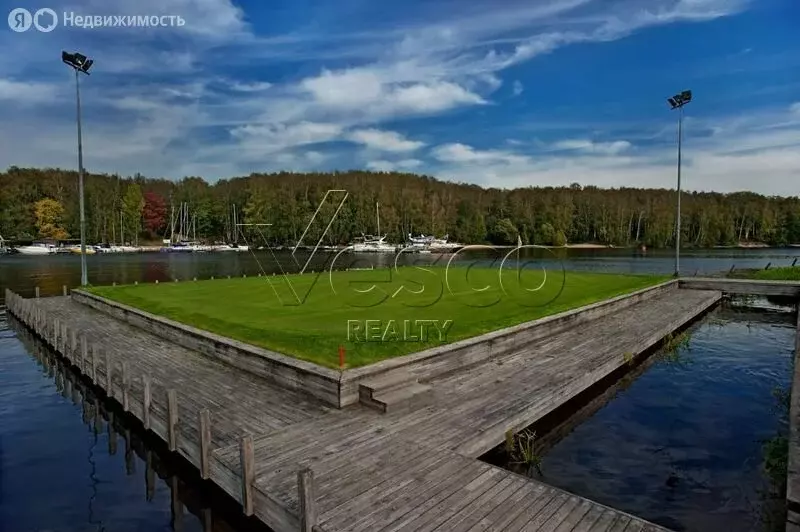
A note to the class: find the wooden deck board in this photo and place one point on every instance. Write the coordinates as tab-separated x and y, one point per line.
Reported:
413	470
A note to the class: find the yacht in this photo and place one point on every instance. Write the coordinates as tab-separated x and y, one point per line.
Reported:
372	244
441	244
37	248
420	241
427	243
181	247
231	247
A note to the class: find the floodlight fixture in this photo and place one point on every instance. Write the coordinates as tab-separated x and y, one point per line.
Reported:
77	61
680	99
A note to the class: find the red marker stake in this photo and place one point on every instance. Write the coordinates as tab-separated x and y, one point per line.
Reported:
341	356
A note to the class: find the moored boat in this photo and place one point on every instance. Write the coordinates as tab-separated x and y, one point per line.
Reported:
37	248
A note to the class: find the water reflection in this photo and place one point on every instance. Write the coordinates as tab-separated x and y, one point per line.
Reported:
71	461
22	273
690	439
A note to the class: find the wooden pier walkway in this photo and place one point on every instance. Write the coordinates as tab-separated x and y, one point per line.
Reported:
308	466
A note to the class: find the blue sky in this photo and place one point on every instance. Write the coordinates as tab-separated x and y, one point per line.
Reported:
503	93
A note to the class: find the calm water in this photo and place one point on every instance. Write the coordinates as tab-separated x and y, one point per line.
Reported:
71	462
683	440
680	441
23	273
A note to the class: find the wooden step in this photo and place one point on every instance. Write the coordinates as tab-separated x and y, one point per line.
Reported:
408	397
392	380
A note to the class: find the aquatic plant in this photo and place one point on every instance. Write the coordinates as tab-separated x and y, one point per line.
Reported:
673	345
627	357
521	448
775	461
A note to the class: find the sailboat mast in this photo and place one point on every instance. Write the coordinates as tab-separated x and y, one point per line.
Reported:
171	222
235	226
378	217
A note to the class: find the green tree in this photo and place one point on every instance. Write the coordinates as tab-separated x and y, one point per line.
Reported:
504	232
559	239
132	205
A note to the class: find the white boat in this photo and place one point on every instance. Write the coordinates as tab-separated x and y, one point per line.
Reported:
181	247
443	245
230	247
3	247
37	248
196	247
373	244
424	243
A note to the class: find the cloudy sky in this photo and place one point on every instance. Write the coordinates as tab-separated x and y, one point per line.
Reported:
499	93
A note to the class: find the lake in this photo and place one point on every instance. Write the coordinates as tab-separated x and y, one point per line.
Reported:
22	273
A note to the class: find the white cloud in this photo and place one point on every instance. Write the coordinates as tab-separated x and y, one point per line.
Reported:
255	86
270	138
390	166
517	88
462	153
589	146
384	140
26	92
377	93
795	108
761	153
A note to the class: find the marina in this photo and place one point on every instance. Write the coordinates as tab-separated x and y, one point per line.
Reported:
467	415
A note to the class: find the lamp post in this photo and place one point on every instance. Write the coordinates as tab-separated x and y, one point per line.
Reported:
677	102
80	64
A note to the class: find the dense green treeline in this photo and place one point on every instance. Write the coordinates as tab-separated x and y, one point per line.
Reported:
38	203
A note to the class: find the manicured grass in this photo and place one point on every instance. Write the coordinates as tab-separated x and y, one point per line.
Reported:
310	316
788	273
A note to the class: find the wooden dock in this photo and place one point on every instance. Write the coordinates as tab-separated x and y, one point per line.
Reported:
298	464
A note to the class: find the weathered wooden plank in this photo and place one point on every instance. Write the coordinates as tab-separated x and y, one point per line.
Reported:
306	496
246	454
205	442
146	401
125	373
172	420
109	371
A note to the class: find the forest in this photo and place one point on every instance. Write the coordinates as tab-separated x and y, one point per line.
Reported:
44	203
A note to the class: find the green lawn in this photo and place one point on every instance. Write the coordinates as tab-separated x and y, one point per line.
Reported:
788	273
310	316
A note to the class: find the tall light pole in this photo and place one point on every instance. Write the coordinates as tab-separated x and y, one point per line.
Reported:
677	102
80	64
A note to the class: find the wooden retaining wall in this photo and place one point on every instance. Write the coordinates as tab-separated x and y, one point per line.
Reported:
743	286
341	388
288	372
160	412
